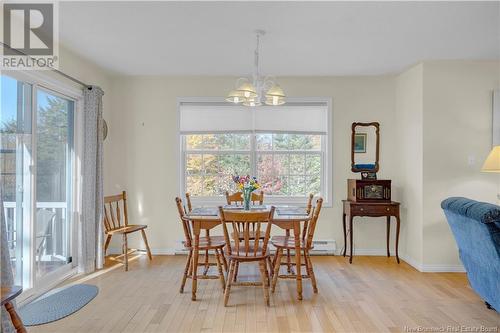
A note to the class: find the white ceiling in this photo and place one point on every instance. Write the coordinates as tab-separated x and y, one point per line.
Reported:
303	38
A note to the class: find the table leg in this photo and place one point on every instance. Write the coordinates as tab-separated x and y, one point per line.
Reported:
14	317
345	234
196	231
388	234
298	270
350	238
397	237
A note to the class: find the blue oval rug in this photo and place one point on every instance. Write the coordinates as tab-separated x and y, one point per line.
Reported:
57	305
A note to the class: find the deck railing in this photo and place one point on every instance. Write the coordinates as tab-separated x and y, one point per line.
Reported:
53	240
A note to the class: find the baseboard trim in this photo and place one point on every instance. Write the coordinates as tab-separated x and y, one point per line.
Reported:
431	268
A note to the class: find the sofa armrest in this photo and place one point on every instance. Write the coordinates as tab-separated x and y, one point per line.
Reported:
479	211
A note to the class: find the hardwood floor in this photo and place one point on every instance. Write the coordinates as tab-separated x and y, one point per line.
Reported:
374	294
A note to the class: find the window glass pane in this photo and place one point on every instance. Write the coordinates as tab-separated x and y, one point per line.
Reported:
210	185
194	185
313	184
55	120
313	164
210	142
225	141
194	141
193	164
241	141
210	165
15	162
296	185
280	185
281	164
297	164
280	141
264	141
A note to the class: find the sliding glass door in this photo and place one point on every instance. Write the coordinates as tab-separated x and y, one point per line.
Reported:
37	170
54	165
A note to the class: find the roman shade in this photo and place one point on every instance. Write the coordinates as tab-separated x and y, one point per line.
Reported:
217	117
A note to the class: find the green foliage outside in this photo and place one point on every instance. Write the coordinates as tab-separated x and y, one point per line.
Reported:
287	164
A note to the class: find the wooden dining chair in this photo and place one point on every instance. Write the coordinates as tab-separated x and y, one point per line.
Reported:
116	223
242	249
237	198
304	230
215	243
187	209
306	244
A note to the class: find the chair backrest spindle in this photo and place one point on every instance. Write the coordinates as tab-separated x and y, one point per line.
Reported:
115	211
243	223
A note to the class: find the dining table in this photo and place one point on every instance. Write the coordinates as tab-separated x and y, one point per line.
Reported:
285	217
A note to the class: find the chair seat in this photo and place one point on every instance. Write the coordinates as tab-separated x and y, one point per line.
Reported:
127	229
287	242
207	243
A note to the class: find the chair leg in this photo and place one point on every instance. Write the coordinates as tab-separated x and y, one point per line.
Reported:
237	265
106	243
271	269
125	251
311	272
265	280
146	243
224	262
186	271
207	267
232	265
279	253
288	259
219	267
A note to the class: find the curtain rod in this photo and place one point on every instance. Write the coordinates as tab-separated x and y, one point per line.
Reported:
83	84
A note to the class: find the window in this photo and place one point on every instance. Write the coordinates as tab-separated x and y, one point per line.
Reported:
286	148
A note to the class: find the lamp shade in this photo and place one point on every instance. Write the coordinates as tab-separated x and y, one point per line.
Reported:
247	89
275	91
235	97
492	163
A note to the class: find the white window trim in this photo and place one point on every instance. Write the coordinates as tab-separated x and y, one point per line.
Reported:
326	180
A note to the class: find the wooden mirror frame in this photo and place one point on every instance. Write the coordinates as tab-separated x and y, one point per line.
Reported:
377	133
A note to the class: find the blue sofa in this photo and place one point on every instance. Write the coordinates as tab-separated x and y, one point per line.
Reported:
476	227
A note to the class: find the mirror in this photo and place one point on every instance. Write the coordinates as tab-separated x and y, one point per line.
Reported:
365	142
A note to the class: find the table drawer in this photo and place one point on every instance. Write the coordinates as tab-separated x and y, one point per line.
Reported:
374	210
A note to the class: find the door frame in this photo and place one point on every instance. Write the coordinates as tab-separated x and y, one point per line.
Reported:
47	81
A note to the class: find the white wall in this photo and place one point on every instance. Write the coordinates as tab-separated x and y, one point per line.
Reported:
143	151
457	126
409	116
444	113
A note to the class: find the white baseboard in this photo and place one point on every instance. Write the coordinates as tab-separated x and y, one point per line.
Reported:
430	268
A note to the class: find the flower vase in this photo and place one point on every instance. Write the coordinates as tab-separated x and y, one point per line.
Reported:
247	193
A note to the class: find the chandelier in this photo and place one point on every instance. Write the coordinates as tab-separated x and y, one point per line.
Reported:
258	89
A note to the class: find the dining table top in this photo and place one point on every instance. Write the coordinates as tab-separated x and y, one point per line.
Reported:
282	213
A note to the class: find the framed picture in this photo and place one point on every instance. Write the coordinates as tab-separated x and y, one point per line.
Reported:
360	143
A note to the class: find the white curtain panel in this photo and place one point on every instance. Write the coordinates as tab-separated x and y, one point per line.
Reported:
7	277
92	182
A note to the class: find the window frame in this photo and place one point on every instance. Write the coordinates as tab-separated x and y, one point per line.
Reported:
326	154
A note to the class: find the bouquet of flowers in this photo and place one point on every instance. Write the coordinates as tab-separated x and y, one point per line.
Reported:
246	185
